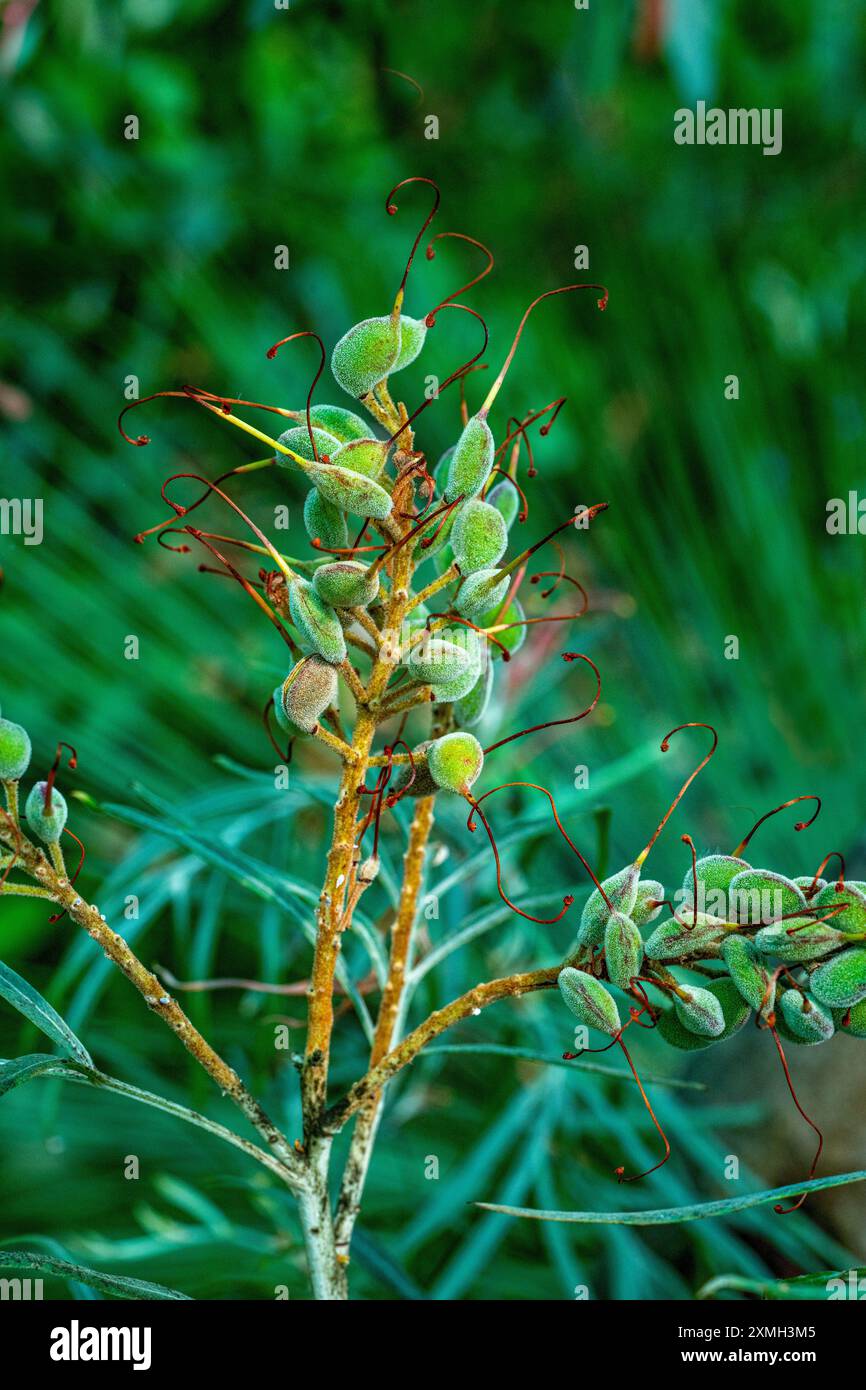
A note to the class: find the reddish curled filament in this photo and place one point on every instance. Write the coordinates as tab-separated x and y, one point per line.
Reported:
430	319
470	825
49	781
800	825
840	881
665	745
272	352
552	723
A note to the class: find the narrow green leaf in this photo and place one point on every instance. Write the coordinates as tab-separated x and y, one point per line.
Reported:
120	1285
29	1002
803	1286
672	1216
20	1069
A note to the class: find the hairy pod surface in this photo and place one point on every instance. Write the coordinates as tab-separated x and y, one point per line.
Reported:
623	950
674	938
758	895
471	708
365	355
455	761
841	982
806	1018
589	1001
298	440
282	718
15	751
413	334
48	826
479	537
325	522
470	464
346	584
343	424
735	1012
437	661
749	973
853	916
799	939
366	456
715	873
700	1012
316	621
649	893
621	891
350	491
853	1020
308	690
446	692
479	592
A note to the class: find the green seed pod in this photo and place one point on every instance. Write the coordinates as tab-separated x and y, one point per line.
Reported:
325	522
479	592
446	692
438	662
316	621
365	355
757	895
749	973
341	423
422	784
841	982
438	533
700	1012
365	456
853	917
298	440
47	825
589	1001
479	536
735	1011
621	891
623	950
413	332
806	1018
471	708
512	638
649	891
14	751
455	761
674	938
282	718
807	881
471	461
346	584
308	690
714	872
506	499
853	1020
794	941
350	491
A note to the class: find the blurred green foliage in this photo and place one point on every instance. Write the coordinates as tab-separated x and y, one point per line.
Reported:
154	258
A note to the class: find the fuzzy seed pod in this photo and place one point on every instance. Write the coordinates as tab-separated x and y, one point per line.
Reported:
853	917
422	784
471	461
436	661
700	1012
471	707
438	533
282	718
341	423
308	690
621	891
799	939
589	1001
853	1020
623	950
455	761
841	982
511	637
413	333
365	456
365	355
806	1018
298	440
14	751
807	882
446	692
325	522
479	537
649	891
749	973
714	872
735	1011
757	895
350	491
316	621
346	584
506	500
674	938
47	825
479	592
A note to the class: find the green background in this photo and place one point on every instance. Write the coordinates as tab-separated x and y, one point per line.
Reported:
154	258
